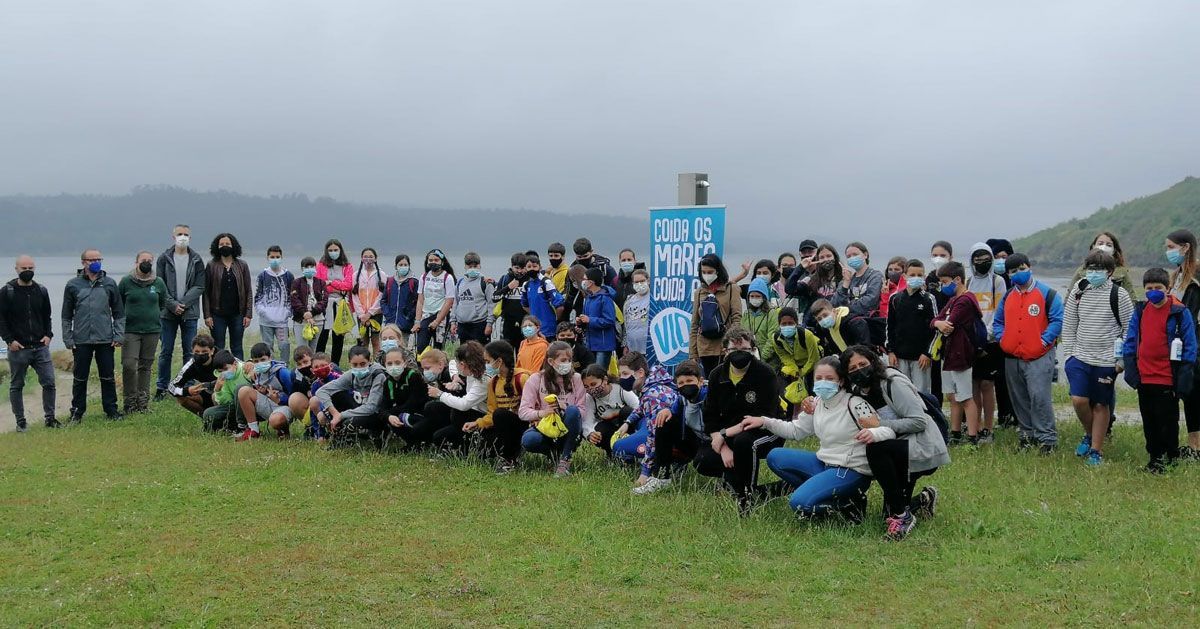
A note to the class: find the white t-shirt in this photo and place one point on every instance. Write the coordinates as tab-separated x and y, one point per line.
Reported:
181	269
606	407
436	289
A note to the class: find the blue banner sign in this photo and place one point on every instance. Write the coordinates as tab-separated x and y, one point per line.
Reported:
679	237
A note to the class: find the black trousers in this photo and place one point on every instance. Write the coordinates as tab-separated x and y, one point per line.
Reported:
889	465
338	341
1191	409
709	363
674	441
503	439
749	449
609	427
1160	420
451	434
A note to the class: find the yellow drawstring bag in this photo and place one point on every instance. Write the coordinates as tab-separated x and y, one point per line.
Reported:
552	425
794	392
370	328
310	331
343	319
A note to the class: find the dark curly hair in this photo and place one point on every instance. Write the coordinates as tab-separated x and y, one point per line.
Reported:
233	241
470	355
875	365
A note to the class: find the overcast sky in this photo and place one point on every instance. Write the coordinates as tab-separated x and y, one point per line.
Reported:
837	117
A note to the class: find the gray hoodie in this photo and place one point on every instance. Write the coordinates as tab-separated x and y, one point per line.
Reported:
92	311
367	391
926	448
474	301
188	295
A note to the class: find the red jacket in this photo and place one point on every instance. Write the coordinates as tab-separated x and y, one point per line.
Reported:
1026	326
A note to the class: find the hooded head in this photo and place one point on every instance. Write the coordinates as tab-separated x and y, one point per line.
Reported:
979	266
1000	245
759	285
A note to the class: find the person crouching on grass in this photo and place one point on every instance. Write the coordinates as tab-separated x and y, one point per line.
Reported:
675	434
1161	378
501	428
357	393
267	397
605	407
559	379
193	386
323	372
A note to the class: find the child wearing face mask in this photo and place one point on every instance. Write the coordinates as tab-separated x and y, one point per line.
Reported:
366	299
357	393
798	351
273	303
501	428
400	297
627	264
674	434
599	318
557	378
762	319
652	386
231	378
532	353
338	276
404	393
581	356
637	313
1107	242
435	299
193	386
323	371
716	307
309	298
267	397
605	407
909	329
472	316
894	281
956	325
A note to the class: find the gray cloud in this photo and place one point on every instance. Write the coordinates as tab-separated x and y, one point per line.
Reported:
836	117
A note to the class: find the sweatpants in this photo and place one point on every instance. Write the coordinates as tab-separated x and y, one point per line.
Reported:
671	442
749	448
1029	389
137	363
920	377
889	466
1160	420
561	448
819	487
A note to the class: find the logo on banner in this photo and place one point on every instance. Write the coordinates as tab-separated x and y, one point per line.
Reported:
669	332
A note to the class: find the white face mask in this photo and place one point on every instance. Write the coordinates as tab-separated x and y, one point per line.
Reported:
563	368
1105	248
708	278
937	261
756	301
641	288
182	240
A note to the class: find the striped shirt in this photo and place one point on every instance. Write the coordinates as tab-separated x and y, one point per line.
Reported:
1089	329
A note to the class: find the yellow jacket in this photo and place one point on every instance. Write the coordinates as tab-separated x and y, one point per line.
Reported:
799	355
497	398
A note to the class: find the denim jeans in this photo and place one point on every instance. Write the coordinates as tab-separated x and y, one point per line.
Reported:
104	353
817	484
186	329
602	358
537	443
18	363
632	447
270	335
234	325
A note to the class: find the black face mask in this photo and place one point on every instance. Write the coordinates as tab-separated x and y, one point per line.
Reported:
202	357
862	378
556	263
306	371
627	383
740	359
828	265
983	268
893	276
570	342
225	251
145	267
690	392
25	276
786	272
435	267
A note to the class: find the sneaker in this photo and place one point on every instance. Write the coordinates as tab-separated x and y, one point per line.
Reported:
986	436
53	423
745	504
1156	466
116	417
898	527
926	502
1025	443
160	395
563	469
1046	449
1084	447
505	466
956	437
21	427
652	485
247	435
1093	458
75	418
1188	453
973	441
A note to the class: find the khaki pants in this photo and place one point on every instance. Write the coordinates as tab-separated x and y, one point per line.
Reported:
137	361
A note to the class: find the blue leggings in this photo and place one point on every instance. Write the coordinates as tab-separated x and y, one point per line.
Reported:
817	485
632	447
537	443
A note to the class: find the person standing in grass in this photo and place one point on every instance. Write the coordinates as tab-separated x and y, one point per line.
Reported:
338	275
1185	287
599	318
228	294
93	326
909	328
861	285
435	298
798	351
559	379
400	297
1161	378
637	313
26	329
1028	323
762	318
366	298
182	271
273	302
987	287
308	298
540	298
716	307
472	317
558	269
956	323
145	298
1095	319
532	353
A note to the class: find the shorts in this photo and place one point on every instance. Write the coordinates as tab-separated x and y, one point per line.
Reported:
1097	384
958	385
988	363
264	408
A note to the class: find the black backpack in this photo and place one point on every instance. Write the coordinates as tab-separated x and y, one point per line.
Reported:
1112	299
932	409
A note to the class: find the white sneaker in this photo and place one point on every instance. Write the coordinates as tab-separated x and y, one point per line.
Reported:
652	485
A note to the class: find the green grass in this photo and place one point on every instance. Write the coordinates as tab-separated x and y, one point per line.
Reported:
150	522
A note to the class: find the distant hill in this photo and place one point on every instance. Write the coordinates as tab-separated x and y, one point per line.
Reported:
142	219
1140	224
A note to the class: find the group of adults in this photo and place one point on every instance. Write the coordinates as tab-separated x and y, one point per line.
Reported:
815	344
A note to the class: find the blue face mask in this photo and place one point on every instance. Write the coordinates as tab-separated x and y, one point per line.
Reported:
388	345
309	273
471	273
261	368
490	371
949	289
1155	296
627	267
787	331
229	375
825	389
827	322
275	263
1096	278
93	267
401	271
334	255
1175	256
360	371
856	262
1021	278
915	283
528	331
429	376
998	267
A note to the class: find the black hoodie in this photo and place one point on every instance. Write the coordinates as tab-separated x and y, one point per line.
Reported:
25	314
756	394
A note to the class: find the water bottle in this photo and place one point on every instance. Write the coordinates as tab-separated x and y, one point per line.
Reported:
1119	349
1177	349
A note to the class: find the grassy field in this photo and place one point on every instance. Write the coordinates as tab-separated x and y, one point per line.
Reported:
150	522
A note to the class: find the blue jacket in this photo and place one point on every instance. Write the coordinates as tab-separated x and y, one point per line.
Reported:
400	302
541	298
601	311
1179	325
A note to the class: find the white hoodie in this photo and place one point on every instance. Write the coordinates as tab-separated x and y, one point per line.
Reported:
835	423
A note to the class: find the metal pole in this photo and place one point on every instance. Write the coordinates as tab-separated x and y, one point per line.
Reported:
693	189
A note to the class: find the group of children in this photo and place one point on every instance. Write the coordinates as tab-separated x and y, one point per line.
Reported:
548	358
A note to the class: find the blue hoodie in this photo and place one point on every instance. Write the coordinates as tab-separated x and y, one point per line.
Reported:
400	302
601	312
541	298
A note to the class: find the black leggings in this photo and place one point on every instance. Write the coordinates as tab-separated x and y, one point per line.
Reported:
709	363
338	341
451	434
503	439
889	465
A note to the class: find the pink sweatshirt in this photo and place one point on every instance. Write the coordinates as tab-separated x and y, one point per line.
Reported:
534	393
343	285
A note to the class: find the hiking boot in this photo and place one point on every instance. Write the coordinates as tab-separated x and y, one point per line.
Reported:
563	469
925	503
247	435
652	485
1084	447
505	466
986	436
1093	458
21	427
956	438
1046	449
898	527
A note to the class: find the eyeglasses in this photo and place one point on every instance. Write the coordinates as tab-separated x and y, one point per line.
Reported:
93	259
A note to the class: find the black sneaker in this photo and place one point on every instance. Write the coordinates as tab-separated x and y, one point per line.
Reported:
1025	443
925	503
1187	453
1046	449
21	427
160	395
53	423
75	420
956	437
986	436
745	504
1156	466
116	417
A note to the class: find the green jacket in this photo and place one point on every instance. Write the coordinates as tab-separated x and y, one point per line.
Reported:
225	394
764	325
144	302
794	355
